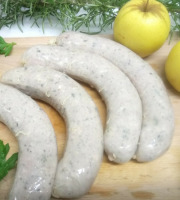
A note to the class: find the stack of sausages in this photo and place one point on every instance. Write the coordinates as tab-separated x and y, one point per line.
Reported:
139	123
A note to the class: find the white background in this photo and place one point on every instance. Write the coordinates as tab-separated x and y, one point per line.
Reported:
34	31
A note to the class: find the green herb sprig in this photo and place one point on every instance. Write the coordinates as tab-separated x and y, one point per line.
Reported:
6	165
5	48
97	13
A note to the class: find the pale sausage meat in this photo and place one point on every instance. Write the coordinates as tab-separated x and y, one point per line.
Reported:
80	163
158	117
37	159
124	112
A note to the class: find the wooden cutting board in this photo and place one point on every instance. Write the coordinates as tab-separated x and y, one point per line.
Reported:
156	180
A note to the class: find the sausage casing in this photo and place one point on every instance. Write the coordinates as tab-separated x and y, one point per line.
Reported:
124	112
158	117
37	160
78	167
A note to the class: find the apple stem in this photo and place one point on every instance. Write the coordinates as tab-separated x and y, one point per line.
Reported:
146	6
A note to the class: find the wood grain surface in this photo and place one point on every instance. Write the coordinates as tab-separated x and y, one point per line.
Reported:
156	180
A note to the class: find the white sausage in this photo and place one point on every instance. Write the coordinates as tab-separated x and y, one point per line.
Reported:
37	160
82	158
124	112
158	117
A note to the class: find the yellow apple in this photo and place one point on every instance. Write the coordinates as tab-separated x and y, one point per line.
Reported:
172	67
142	26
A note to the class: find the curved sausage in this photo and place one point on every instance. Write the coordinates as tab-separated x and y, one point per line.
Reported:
37	160
82	158
158	117
124	112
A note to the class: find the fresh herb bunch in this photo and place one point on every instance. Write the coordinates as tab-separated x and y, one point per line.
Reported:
6	165
98	13
5	48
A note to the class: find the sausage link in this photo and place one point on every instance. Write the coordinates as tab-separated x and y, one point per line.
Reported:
37	160
82	158
124	112
158	117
